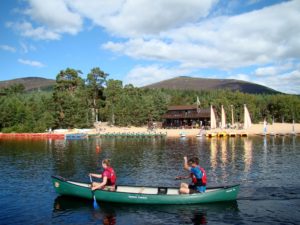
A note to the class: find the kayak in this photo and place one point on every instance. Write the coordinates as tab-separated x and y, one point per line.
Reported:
144	195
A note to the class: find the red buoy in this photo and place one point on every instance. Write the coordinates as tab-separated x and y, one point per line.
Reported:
98	148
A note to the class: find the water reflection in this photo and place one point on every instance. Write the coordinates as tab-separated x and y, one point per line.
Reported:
112	213
213	154
267	171
233	149
248	154
224	151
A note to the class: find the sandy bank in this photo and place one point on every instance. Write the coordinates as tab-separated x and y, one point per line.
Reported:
255	129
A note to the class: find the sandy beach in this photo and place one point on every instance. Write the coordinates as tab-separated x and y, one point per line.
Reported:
255	129
279	129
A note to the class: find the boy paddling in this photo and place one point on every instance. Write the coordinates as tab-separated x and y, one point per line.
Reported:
197	174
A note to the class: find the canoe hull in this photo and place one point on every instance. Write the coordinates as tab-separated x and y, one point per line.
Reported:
64	187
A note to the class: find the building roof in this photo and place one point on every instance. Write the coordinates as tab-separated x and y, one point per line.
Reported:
203	113
181	107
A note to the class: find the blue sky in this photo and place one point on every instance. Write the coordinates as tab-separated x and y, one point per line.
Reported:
142	42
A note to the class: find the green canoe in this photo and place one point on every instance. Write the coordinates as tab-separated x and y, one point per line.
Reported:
144	195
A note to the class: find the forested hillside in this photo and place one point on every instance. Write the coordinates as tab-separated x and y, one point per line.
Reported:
204	84
78	102
29	83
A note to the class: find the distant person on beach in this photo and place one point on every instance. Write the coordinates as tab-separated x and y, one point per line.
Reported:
108	177
197	174
265	126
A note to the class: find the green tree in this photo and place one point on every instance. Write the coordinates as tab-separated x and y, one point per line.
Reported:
70	100
95	81
113	94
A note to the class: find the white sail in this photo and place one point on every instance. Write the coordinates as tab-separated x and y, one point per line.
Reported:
213	122
223	118
247	119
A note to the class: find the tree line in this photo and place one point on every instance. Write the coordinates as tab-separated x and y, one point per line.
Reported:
77	102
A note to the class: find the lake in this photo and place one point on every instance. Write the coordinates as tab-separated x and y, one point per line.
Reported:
267	169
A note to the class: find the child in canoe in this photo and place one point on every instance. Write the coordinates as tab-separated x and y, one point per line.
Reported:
197	174
108	177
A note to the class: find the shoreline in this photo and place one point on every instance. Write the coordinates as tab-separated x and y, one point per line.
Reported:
255	129
280	129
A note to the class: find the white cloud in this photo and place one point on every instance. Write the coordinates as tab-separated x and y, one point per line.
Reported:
26	47
141	17
40	33
144	17
48	20
96	10
281	76
31	63
241	76
124	18
263	71
144	75
56	15
288	82
277	68
8	48
254	38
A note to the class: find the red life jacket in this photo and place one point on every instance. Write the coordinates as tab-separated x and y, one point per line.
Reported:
202	181
111	178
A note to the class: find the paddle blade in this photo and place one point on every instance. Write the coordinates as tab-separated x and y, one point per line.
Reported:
96	206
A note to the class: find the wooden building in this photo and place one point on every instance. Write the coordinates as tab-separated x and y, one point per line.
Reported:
188	116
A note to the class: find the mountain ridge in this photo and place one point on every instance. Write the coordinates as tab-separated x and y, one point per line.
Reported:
30	83
200	84
179	83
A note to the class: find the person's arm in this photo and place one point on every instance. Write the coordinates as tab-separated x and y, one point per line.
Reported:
95	175
185	164
182	177
99	186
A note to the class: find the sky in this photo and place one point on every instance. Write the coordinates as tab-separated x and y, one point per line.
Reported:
146	41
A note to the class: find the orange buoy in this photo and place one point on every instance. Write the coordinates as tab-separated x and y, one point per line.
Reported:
98	148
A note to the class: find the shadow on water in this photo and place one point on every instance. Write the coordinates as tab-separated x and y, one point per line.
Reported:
110	213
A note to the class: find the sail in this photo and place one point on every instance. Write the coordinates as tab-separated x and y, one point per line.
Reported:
213	122
223	118
247	119
198	105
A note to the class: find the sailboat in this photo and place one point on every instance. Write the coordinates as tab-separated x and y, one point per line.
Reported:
213	122
247	119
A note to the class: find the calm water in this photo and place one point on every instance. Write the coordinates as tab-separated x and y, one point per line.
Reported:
267	169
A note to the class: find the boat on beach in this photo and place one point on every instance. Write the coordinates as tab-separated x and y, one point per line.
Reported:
144	195
222	134
76	136
210	135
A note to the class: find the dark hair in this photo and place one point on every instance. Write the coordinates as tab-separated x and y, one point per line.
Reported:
194	160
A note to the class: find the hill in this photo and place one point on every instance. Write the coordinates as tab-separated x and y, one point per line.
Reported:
30	83
198	84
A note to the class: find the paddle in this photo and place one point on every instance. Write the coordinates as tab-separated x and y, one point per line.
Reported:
96	206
